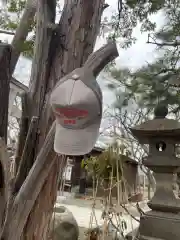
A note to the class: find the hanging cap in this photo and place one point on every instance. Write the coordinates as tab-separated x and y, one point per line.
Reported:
77	104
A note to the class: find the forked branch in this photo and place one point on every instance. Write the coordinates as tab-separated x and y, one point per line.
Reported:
99	59
30	189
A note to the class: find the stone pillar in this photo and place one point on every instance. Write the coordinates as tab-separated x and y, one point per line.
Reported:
161	134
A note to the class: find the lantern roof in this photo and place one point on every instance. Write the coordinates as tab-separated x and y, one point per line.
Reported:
159	127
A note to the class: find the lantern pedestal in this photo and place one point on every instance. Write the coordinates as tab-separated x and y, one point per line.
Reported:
159	226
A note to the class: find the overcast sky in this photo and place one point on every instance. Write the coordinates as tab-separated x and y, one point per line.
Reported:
134	57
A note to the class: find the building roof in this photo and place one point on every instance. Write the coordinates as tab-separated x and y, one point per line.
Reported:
19	84
124	157
162	128
98	149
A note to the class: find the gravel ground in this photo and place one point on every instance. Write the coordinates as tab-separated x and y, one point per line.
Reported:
81	233
82	209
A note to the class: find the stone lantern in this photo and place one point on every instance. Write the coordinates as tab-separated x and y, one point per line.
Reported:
162	222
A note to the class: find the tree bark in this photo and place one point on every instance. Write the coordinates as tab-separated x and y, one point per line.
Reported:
5	56
27	152
4	183
58	51
54	56
71	46
25	199
39	77
37	223
36	181
23	131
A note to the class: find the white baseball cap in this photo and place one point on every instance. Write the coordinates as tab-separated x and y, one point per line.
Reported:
77	104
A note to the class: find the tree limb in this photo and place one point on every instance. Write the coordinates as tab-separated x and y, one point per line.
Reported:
30	189
4	182
164	44
22	31
98	60
25	165
23	131
5	57
7	32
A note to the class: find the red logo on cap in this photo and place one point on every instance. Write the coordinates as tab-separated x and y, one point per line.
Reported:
69	122
71	114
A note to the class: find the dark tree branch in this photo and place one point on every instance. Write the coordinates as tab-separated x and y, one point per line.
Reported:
22	31
120	8
165	70
25	165
5	57
98	60
4	183
25	199
23	131
164	44
105	6
6	32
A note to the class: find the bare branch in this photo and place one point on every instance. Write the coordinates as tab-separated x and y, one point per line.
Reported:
30	189
6	32
23	131
22	31
4	181
105	6
25	165
173	44
5	57
163	44
98	60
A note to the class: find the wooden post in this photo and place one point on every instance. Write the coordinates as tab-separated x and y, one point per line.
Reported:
5	55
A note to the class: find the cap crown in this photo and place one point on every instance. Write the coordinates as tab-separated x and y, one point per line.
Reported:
77	100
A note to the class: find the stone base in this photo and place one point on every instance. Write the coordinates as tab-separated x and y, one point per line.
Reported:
159	226
132	234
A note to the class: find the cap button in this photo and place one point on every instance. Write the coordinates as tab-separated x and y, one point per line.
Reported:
75	77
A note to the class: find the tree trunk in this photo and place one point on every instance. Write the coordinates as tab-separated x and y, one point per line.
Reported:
20	206
37	224
5	56
74	42
35	188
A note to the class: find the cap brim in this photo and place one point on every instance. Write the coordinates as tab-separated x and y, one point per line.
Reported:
76	142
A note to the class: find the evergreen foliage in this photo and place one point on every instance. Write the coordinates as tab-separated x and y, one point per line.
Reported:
9	20
157	81
121	24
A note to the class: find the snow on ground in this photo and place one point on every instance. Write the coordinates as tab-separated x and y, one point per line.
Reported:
82	212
